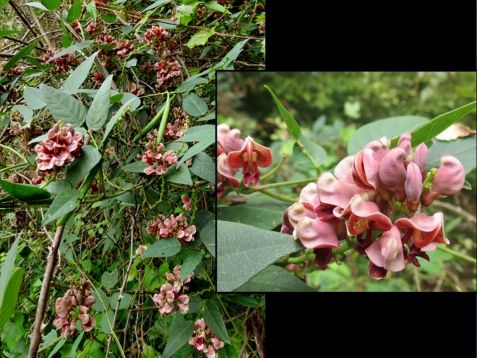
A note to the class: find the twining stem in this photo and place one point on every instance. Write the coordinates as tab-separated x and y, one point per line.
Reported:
457	254
308	155
14	151
42	301
274	170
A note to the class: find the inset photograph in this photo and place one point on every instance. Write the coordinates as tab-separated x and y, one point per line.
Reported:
346	181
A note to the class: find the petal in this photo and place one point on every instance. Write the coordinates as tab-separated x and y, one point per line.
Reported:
334	192
392	171
413	183
309	196
315	233
405	143
387	251
224	170
344	169
450	176
370	210
420	156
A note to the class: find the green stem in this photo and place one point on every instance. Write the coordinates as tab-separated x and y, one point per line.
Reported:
281	197
457	254
14	151
284	183
308	155
6	169
274	170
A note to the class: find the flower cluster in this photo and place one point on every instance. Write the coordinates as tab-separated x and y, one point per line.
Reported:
203	341
172	296
160	41
62	63
74	306
377	197
234	154
176	130
156	158
61	147
172	226
187	202
166	71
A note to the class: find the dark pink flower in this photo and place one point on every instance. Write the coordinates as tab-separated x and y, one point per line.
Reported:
204	341
187	202
156	157
172	296
316	233
228	140
61	147
387	251
166	71
173	226
249	157
323	257
420	157
335	192
376	272
424	229
405	144
364	214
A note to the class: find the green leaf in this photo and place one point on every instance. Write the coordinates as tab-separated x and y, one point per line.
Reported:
37	5
261	212
75	345
72	48
135	167
196	148
243	300
245	250
213	5
25	51
198	133
178	334
64	203
75	11
51	4
179	175
227	62
125	301
115	118
24	192
110	279
7	306
274	279
291	123
200	38
6	32
207	235
190	263
106	321
156	4
315	150
389	127
463	149
33	98
214	320
191	83
79	75
98	112
7	273
204	167
82	166
64	107
49	339
163	248
102	300
194	105
58	346
27	114
437	125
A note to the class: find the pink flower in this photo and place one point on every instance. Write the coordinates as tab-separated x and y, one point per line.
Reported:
172	297
203	341
173	226
424	229
61	147
249	157
187	202
334	192
420	157
166	71
387	251
413	186
450	176
228	140
392	171
364	214
157	159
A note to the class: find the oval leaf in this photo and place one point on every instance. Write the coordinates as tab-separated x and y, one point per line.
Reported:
64	107
64	203
24	192
244	251
98	112
214	320
82	166
194	105
77	77
179	332
163	248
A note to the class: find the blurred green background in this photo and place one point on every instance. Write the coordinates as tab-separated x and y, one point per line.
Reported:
330	106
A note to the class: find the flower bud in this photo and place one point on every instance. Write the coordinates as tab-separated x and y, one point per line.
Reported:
450	176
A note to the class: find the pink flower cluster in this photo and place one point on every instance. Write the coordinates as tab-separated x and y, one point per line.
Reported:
172	296
172	226
176	130
234	154
160	41
204	341
166	71
377	197
61	147
62	63
74	305
156	158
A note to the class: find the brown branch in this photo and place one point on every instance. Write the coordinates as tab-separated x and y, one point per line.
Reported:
22	17
42	301
40	27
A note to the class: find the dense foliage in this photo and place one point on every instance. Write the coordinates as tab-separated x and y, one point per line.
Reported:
107	190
